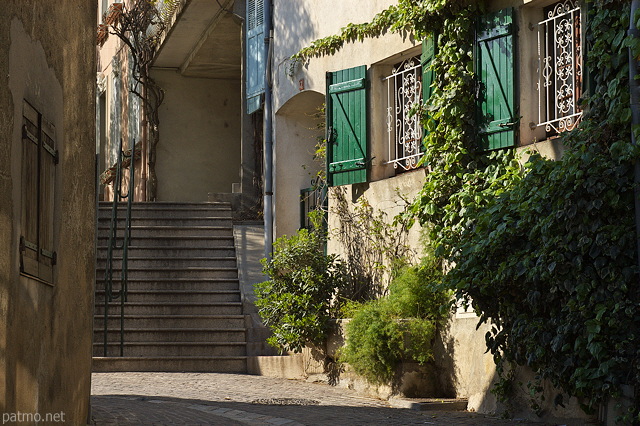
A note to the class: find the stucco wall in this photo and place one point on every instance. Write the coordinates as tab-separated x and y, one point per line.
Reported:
47	56
199	148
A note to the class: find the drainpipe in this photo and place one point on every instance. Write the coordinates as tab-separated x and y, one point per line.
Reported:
268	136
634	89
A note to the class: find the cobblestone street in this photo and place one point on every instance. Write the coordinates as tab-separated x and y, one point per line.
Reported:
231	399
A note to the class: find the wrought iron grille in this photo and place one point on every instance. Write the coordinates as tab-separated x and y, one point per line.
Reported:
404	91
560	67
312	198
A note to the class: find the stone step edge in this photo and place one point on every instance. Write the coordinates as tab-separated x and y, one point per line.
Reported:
171	316
129	343
430	404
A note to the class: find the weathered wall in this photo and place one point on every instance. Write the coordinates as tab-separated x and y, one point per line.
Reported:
199	150
47	56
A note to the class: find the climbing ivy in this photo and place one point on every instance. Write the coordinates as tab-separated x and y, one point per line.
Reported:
545	252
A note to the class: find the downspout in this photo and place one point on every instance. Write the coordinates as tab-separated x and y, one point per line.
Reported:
268	135
634	90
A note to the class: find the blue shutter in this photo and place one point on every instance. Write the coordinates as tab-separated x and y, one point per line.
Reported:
256	57
496	101
346	105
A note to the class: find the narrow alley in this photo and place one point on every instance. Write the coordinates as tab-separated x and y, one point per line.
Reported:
234	399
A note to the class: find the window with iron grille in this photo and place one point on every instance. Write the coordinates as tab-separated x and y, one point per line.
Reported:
39	159
312	199
404	92
560	67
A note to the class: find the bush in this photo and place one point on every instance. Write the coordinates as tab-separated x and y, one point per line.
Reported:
399	326
304	291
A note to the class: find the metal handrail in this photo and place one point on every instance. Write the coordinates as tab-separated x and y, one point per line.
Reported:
109	294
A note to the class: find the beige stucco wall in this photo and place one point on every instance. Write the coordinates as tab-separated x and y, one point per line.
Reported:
47	56
296	136
199	148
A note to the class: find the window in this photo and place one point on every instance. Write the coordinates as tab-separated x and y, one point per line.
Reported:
404	92
559	67
312	199
39	158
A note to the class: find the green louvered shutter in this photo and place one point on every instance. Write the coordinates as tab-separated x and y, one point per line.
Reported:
497	108
426	59
347	150
255	54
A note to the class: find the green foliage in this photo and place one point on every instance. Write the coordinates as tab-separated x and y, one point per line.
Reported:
399	326
546	253
551	260
304	291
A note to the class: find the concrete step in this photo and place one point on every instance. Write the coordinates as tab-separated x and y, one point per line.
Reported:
171	251
186	364
136	262
174	308
171	321
149	210
160	284
177	272
188	296
141	349
175	335
174	241
215	220
171	231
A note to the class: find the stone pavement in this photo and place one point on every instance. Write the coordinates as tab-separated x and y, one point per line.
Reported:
234	399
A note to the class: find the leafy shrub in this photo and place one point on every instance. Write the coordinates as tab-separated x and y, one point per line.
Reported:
304	291
396	327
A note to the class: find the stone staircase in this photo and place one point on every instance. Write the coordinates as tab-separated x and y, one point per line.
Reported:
183	311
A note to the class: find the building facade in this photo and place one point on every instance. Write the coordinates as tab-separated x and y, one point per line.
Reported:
47	209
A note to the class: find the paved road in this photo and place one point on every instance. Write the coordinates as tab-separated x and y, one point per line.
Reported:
233	399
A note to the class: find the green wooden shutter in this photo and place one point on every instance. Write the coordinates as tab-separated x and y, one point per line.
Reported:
346	105
495	53
429	46
255	57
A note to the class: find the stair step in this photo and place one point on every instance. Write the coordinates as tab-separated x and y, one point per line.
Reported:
141	349
188	272
161	220
174	241
145	308
198	284
143	231
177	335
171	251
159	296
186	363
171	321
136	262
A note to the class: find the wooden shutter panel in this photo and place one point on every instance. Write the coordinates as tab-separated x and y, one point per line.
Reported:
429	46
346	105
48	160
256	58
495	53
30	183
